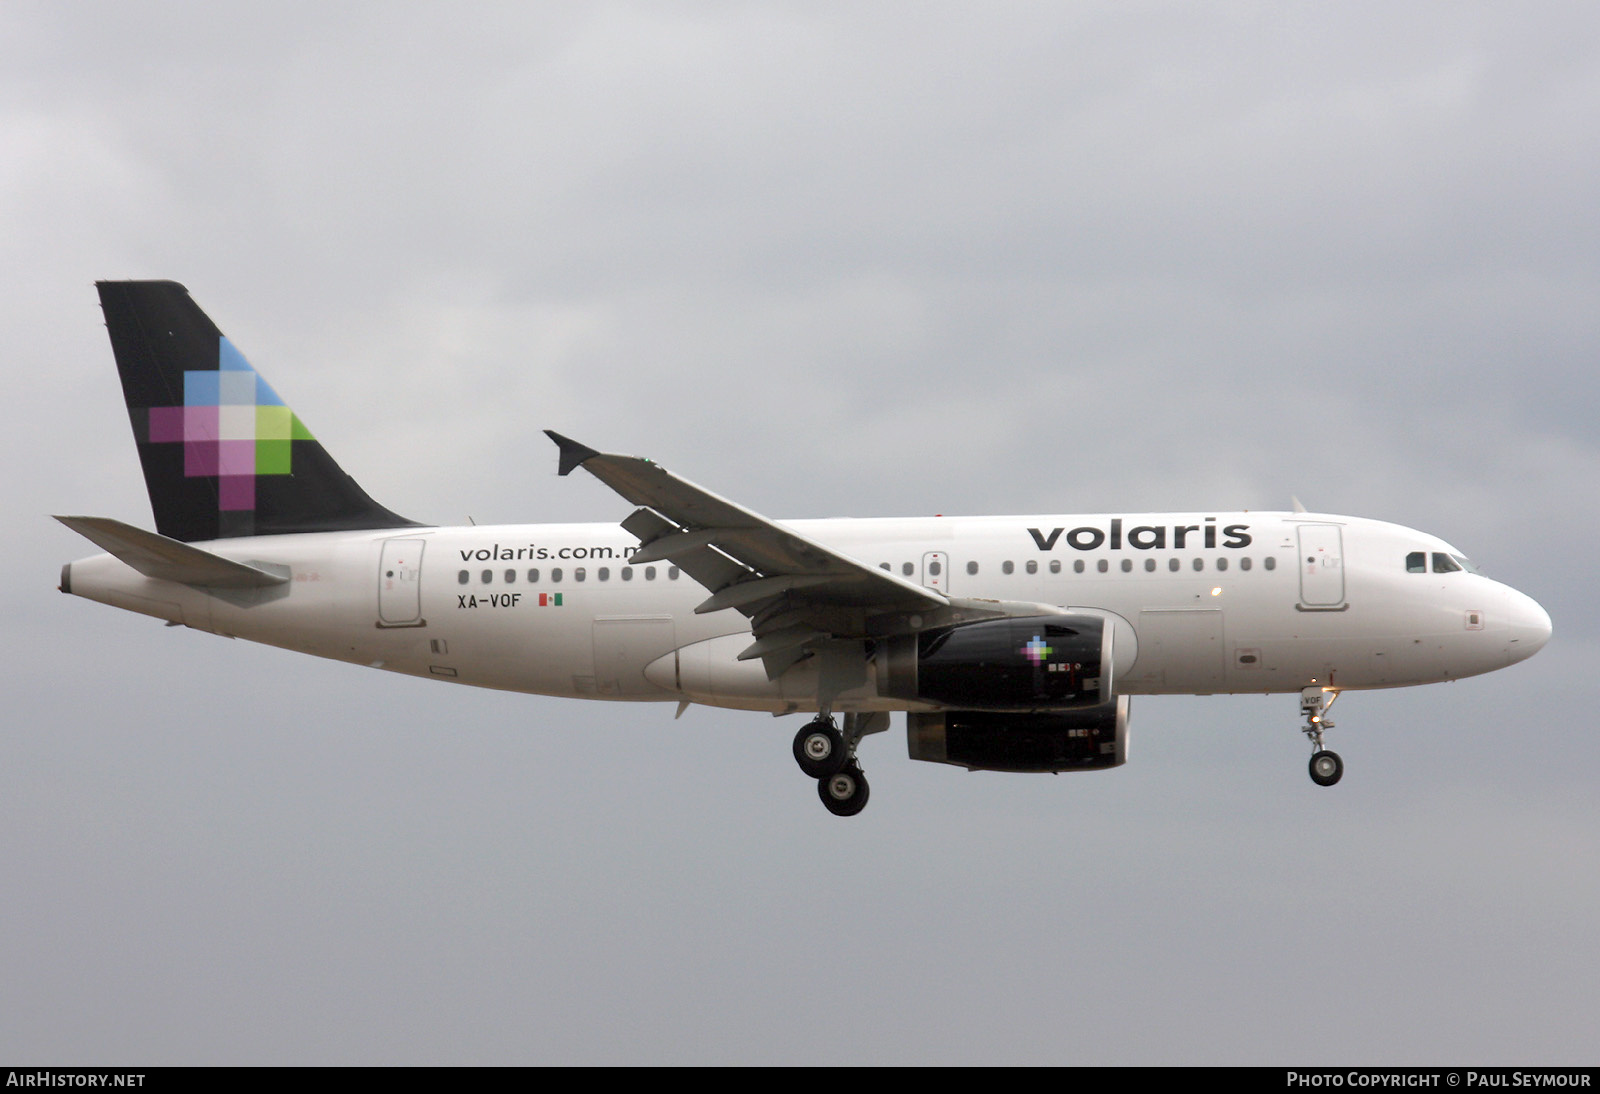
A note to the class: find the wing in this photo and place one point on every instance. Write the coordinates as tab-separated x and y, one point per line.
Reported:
795	591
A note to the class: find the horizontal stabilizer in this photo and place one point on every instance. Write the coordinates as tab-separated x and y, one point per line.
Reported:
167	559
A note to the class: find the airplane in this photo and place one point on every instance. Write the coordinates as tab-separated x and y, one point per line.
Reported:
1009	643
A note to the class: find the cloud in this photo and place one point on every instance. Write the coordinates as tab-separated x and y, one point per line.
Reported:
827	260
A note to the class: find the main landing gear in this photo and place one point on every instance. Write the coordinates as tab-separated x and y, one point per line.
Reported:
829	756
819	749
845	791
1326	767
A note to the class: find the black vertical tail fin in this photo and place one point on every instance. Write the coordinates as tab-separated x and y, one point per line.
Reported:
222	455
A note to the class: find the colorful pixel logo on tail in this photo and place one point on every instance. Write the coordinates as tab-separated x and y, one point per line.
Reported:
232	426
223	456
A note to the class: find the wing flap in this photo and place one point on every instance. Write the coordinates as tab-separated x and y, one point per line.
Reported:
789	638
743	594
710	567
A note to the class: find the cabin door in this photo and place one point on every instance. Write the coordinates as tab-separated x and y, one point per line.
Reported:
400	583
1321	568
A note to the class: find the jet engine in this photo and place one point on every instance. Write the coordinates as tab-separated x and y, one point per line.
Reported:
1022	693
1075	740
1018	663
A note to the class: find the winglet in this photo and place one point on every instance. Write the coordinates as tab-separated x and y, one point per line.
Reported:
572	453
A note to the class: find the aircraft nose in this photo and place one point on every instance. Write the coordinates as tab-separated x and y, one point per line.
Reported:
1528	625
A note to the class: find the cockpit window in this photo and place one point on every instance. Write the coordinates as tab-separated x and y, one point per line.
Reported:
1466	564
1444	564
1417	562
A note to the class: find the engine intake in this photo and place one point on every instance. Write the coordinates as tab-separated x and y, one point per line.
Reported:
1026	663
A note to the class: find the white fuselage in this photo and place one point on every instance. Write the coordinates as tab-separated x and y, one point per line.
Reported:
1233	602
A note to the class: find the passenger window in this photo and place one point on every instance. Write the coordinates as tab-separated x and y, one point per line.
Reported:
511	577
1269	563
533	577
1444	564
604	573
972	567
672	573
1244	563
883	565
1077	566
1033	567
1102	565
649	573
1199	564
1417	562
579	573
463	577
1055	565
1127	565
934	568
627	573
1149	565
488	576
1222	563
1007	567
555	574
1173	564
906	568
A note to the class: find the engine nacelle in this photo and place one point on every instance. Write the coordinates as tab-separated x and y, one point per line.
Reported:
1076	740
1021	663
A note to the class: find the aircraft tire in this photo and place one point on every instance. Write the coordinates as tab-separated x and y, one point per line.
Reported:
1326	767
819	750
845	792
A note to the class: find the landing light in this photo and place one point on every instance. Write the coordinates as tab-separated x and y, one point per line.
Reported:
1217	591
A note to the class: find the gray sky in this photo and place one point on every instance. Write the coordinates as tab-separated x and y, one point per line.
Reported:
827	260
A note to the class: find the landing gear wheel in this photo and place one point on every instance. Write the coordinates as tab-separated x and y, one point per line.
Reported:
819	750
844	792
1326	767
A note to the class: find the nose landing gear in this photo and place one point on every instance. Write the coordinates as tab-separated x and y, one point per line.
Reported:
1326	766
